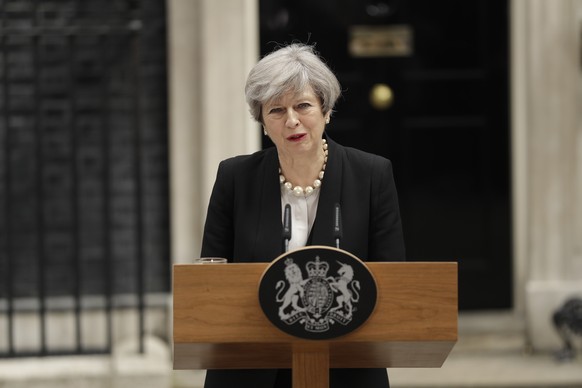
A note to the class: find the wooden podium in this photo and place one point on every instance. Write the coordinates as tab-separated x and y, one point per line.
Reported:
219	324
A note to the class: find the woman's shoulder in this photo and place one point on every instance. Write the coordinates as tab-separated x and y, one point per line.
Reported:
242	165
247	162
362	158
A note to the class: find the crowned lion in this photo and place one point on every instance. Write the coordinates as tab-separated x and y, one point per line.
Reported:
293	293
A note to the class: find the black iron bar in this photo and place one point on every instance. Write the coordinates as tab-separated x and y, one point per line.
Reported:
106	190
40	218
66	30
8	275
75	194
138	190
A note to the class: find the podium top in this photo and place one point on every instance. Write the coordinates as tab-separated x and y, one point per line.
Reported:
218	322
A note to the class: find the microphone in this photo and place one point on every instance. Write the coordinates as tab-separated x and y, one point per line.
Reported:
337	224
287	226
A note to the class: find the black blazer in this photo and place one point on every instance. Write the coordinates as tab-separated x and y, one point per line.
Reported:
244	224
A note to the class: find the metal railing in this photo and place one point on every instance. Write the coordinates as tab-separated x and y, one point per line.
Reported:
72	230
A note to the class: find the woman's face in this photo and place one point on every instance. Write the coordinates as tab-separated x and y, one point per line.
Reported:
295	123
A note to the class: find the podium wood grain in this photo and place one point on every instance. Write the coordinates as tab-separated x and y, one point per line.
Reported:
218	322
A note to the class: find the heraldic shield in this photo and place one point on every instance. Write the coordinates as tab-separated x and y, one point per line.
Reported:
317	292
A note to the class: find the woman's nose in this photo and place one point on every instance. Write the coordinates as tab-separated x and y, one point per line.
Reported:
292	119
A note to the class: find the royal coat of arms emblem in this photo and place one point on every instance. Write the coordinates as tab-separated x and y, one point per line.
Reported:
317	292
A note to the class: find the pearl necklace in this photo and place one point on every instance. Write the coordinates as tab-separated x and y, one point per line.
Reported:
299	191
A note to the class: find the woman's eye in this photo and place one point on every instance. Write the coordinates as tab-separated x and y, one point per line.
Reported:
275	110
304	105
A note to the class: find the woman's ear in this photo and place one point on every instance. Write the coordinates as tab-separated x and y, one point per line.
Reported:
264	130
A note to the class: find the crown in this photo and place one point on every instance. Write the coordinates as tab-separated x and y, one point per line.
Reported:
288	261
317	268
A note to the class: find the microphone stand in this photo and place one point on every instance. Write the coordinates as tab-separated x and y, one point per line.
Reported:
287	227
337	225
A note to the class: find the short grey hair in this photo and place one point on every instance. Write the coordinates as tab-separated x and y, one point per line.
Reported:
290	69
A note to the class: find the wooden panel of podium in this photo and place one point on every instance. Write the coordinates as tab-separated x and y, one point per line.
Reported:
219	324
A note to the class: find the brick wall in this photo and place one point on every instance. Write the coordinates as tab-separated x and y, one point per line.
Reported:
83	145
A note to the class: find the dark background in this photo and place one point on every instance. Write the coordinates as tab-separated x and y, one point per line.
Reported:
83	136
447	132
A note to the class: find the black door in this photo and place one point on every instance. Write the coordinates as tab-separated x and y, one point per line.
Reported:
438	71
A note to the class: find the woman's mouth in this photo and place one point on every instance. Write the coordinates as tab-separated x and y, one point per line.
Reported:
296	137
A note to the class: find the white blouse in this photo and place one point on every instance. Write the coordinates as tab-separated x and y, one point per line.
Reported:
303	210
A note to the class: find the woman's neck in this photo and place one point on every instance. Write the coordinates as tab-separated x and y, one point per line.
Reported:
302	171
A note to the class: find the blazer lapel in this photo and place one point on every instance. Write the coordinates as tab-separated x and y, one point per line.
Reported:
322	232
269	244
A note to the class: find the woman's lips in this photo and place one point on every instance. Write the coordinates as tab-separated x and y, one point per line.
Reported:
296	137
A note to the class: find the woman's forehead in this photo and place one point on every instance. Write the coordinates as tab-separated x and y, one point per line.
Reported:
293	95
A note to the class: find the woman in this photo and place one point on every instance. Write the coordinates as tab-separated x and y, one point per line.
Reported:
291	93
